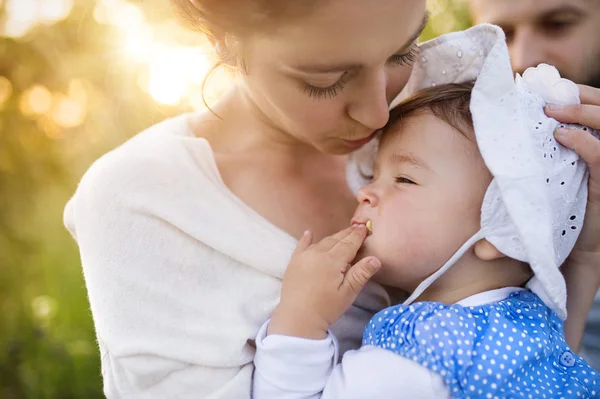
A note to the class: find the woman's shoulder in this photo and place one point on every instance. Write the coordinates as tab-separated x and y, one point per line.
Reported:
156	171
164	154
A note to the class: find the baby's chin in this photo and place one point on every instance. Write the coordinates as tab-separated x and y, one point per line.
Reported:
374	246
364	251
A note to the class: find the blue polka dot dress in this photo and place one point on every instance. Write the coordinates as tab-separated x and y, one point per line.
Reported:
513	348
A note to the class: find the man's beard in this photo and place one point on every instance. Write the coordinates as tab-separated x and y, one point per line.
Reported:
594	81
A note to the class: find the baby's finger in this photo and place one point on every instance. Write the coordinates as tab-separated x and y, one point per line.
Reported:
360	274
583	114
346	248
589	95
304	242
327	243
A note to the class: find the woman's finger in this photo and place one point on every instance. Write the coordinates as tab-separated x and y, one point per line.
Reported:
346	248
360	274
583	114
583	143
304	242
589	95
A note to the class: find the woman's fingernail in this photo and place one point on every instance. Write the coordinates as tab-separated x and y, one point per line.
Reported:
306	232
554	107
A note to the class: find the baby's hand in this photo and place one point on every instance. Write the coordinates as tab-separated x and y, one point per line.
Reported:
320	283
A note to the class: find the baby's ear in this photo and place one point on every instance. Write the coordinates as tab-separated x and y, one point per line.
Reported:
485	250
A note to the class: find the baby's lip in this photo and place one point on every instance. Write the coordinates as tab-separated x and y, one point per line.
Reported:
367	222
356	220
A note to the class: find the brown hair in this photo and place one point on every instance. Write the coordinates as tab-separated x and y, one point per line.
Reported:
448	102
224	21
227	23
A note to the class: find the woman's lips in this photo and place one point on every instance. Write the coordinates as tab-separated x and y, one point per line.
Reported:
361	142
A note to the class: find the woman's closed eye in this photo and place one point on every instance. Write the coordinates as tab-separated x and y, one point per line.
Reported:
407	58
329	91
333	90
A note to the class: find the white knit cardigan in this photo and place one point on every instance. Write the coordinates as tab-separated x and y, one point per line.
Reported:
180	273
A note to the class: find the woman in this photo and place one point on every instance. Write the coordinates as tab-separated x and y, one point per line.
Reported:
185	231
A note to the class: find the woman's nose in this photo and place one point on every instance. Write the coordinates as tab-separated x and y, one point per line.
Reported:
370	108
367	196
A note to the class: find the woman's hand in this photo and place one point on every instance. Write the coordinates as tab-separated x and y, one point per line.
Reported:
582	269
320	283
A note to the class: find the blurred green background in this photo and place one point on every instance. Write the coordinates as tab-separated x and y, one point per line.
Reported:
77	78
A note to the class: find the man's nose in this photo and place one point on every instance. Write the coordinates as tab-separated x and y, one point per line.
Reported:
526	51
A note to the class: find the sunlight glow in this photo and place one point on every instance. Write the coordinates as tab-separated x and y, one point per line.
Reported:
23	15
174	71
170	72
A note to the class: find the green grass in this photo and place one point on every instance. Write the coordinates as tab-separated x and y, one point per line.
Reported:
47	343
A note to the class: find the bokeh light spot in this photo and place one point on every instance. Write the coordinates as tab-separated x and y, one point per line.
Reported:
37	100
68	112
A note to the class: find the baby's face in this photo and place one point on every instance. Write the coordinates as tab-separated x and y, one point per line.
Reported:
425	199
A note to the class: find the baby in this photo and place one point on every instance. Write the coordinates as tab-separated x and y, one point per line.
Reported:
475	332
472	208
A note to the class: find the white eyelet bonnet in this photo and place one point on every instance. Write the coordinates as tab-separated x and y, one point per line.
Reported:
534	208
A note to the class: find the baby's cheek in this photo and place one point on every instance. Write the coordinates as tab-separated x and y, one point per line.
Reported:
406	249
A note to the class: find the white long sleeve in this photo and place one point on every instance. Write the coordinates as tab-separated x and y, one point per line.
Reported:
297	368
180	273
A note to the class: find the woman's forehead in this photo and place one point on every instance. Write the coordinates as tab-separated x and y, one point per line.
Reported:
346	32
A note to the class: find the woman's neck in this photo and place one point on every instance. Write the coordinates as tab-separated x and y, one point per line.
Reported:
292	185
242	128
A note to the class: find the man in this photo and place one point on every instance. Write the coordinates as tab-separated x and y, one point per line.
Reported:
563	33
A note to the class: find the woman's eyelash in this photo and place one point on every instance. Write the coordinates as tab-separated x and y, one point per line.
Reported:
407	58
333	90
327	92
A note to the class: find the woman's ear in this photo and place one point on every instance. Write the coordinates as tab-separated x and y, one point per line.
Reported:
229	52
485	250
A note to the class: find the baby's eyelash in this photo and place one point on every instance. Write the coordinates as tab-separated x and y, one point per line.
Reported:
408	58
403	180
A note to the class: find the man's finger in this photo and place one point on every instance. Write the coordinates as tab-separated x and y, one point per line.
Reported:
584	114
360	274
589	95
583	143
